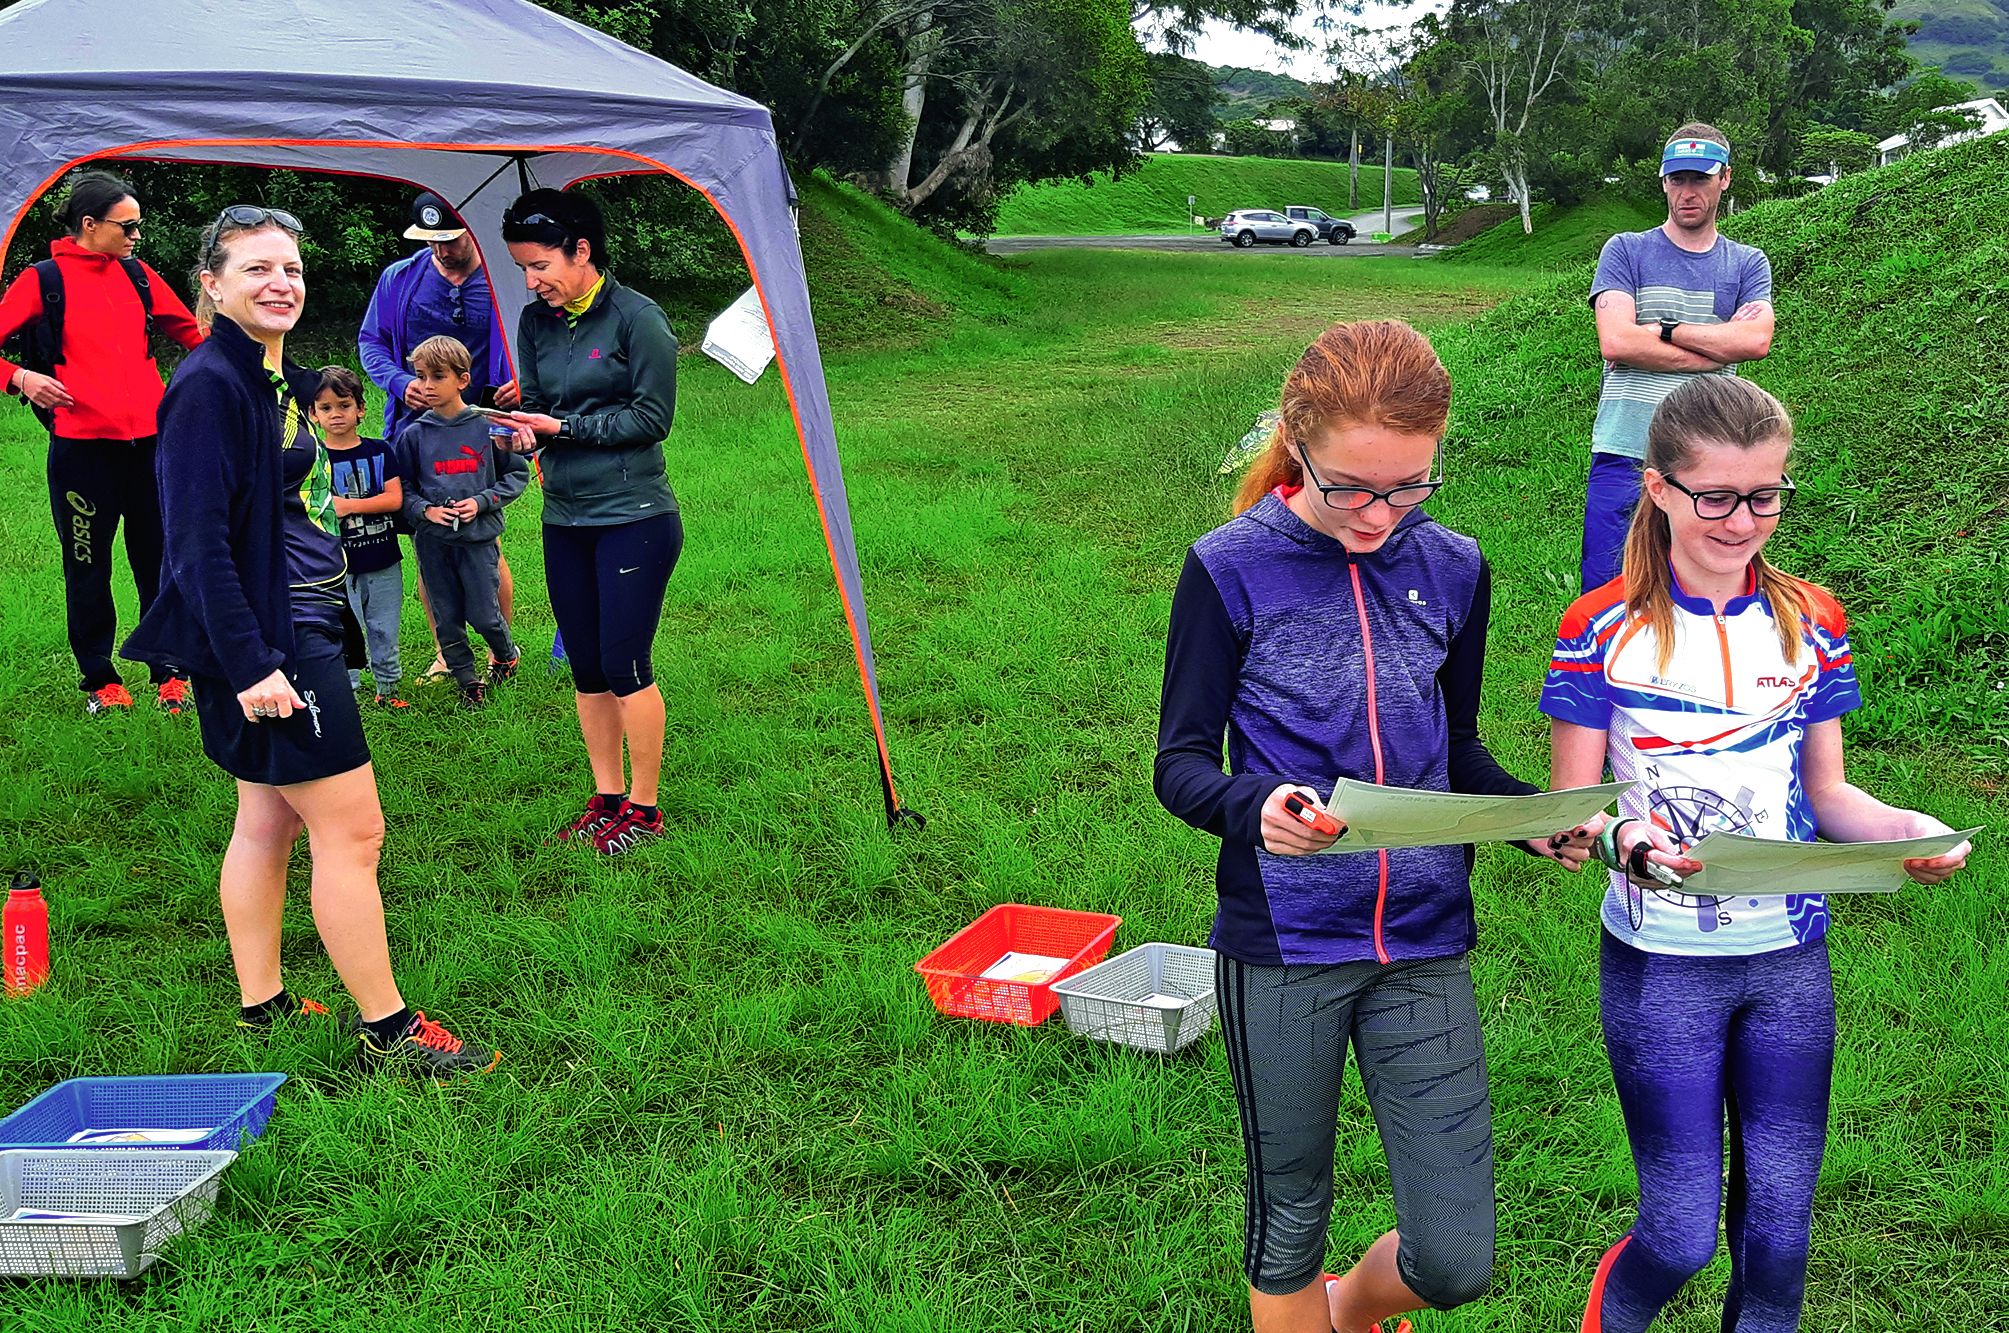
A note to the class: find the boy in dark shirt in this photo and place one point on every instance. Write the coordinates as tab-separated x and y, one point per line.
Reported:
368	495
457	481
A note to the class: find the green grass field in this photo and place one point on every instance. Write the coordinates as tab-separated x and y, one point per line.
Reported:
1562	236
1152	199
725	1103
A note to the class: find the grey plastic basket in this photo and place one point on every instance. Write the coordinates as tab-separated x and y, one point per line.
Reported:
139	1199
1156	997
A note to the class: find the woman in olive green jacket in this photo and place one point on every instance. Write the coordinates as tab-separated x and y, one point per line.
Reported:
597	364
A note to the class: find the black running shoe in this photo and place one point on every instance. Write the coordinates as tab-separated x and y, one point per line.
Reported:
307	1009
499	672
474	694
426	1050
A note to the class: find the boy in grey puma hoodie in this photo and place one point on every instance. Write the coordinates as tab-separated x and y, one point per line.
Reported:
458	480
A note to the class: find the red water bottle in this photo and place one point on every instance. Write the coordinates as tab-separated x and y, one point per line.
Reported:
24	926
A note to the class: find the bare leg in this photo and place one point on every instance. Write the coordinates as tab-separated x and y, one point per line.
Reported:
642	722
600	724
253	887
1373	1290
438	667
345	834
506	600
1302	1311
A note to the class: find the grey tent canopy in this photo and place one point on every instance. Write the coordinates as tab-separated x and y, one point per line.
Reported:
468	98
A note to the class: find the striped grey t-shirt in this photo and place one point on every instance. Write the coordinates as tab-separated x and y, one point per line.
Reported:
1666	282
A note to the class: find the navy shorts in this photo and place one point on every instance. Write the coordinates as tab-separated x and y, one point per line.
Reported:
320	741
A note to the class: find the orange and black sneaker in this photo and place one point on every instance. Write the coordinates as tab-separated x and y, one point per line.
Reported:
106	698
173	697
424	1050
264	1018
392	702
499	672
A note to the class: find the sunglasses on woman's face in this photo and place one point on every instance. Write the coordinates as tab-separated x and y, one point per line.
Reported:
131	226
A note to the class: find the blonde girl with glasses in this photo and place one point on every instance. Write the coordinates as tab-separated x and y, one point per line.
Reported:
1717	682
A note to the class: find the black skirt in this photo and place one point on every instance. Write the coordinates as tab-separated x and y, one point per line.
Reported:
319	741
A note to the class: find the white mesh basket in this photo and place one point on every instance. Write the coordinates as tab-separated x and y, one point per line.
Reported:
105	1212
1156	997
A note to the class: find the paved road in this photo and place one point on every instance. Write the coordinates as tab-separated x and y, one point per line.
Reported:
1201	241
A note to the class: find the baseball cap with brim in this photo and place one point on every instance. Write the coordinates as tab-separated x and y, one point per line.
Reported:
1693	155
433	220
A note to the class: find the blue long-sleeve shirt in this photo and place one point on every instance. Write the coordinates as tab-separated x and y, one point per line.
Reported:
1315	664
412	303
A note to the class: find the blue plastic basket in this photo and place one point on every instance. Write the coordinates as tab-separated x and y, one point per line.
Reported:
232	1107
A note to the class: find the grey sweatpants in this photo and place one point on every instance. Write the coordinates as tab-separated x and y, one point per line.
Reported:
1415	1030
464	581
378	599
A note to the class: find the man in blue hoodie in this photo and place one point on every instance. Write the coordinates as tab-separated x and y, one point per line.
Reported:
439	291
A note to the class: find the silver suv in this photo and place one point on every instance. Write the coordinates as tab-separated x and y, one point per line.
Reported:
1245	226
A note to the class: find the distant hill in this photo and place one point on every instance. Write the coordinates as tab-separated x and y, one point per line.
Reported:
1247	93
1968	39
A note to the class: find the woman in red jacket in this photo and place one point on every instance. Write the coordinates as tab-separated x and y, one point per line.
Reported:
99	404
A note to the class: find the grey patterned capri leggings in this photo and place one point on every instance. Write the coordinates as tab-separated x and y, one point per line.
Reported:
1414	1027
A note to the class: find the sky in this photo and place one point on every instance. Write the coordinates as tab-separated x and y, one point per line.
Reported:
1220	44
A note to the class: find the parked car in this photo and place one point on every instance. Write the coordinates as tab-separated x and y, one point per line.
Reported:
1331	230
1245	226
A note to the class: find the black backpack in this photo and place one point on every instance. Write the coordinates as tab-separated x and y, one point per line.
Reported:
39	345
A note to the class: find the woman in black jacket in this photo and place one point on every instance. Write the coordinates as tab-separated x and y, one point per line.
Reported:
597	365
252	602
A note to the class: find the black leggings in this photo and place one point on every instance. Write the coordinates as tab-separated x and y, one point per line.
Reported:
93	484
607	587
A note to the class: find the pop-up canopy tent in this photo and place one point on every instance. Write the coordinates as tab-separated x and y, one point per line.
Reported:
472	99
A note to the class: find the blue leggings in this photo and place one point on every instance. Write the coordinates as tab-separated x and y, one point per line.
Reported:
1690	1038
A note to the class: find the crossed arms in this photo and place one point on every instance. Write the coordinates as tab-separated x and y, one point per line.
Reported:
1747	336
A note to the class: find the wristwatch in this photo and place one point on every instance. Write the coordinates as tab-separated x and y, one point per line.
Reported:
564	431
1667	328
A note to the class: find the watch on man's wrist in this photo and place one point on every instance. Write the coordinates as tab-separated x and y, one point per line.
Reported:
1667	328
564	431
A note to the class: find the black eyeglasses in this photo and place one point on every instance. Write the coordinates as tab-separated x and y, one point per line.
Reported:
1765	502
1405	496
131	227
253	215
457	297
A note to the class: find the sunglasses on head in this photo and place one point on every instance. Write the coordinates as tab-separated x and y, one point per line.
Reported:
253	215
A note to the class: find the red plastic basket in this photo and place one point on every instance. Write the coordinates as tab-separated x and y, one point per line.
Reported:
953	971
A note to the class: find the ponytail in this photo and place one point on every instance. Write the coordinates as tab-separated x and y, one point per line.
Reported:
1377	372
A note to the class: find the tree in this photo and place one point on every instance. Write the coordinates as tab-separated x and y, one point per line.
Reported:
1182	104
1516	52
1838	152
1433	116
1923	110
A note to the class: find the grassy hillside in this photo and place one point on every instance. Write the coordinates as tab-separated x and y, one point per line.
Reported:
1249	92
1893	355
1153	198
877	280
1562	236
1968	39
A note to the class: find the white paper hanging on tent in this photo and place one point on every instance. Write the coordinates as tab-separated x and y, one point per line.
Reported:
739	339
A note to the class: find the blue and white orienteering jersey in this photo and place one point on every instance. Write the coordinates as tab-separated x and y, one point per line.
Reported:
1713	742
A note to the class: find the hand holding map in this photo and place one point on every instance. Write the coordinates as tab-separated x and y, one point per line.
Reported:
1734	865
1391	817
